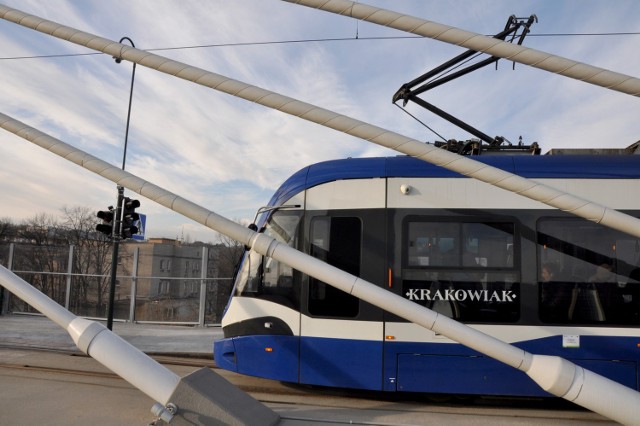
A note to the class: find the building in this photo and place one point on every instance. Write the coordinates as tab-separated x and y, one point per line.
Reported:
170	277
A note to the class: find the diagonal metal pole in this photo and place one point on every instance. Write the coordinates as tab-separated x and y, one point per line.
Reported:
466	166
480	43
555	375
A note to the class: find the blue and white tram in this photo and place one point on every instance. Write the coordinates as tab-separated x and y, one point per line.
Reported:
541	279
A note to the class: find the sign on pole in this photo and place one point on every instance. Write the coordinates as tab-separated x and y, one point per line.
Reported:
141	223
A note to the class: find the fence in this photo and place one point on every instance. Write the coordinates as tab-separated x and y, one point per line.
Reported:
161	298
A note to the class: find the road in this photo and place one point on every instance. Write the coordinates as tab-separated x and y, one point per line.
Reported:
67	388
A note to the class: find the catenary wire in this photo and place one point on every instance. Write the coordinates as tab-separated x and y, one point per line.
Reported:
317	40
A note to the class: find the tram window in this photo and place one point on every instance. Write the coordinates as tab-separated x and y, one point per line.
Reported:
588	273
455	244
265	277
464	270
337	241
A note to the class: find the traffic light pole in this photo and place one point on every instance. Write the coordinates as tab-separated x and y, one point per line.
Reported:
116	231
115	236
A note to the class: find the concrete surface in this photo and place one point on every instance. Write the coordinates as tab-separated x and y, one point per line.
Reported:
40	332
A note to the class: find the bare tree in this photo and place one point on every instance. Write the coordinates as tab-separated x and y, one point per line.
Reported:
7	229
229	254
42	256
92	259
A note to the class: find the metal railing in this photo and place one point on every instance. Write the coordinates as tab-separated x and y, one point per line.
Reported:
150	299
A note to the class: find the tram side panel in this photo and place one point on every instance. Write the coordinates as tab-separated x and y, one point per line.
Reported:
473	262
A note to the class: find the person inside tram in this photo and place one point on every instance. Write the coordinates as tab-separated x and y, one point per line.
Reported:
556	296
604	274
548	272
597	299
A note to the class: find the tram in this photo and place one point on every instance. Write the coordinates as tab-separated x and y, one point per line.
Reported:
516	269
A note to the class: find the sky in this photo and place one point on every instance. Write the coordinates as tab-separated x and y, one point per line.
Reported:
229	155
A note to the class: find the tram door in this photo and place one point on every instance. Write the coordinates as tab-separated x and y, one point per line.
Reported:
341	336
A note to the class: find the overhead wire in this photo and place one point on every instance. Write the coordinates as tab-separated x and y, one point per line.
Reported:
321	40
313	40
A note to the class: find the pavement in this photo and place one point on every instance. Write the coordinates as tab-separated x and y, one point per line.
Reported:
38	332
45	379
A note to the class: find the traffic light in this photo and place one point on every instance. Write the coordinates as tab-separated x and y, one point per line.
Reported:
129	217
106	227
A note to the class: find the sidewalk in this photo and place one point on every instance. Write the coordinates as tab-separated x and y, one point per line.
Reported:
28	331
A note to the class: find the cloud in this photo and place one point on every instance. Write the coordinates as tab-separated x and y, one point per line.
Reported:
230	155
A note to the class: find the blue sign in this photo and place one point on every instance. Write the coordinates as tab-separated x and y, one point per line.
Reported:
141	224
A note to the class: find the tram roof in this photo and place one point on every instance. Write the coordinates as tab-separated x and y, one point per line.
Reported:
529	166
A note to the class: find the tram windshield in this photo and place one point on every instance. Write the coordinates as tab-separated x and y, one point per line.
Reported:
265	277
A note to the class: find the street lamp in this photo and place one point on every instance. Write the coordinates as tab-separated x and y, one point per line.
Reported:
116	233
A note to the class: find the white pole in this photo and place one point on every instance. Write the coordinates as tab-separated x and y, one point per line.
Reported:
134	285
203	286
101	344
583	387
4	309
480	43
566	382
67	297
35	298
386	138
